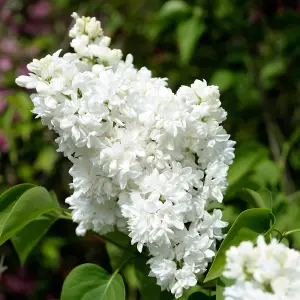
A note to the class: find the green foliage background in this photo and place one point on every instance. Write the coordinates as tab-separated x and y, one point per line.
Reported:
250	49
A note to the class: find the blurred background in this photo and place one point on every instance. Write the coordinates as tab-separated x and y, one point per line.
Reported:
249	48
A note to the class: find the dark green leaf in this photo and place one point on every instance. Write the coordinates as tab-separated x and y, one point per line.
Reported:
201	296
118	238
62	3
222	282
91	282
249	224
27	238
147	285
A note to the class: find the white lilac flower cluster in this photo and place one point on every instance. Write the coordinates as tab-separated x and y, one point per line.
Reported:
145	160
262	272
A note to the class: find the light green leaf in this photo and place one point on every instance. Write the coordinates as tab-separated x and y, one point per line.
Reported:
50	250
21	102
46	159
173	8
248	226
91	282
273	68
224	79
244	164
261	199
266	196
27	238
21	205
267	171
188	33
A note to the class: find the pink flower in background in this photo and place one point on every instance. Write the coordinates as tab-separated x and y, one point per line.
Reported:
32	51
19	283
22	70
36	28
3	143
40	10
3	105
3	102
5	64
254	17
5	15
8	46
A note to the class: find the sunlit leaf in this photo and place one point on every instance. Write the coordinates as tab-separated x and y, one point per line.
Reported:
188	34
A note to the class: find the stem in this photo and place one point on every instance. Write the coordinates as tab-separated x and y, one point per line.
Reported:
107	239
117	271
286	179
122	264
280	234
290	232
287	146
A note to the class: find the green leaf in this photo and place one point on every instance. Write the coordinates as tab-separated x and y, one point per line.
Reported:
27	238
188	33
21	205
248	226
266	197
54	198
262	199
62	3
50	250
243	164
91	282
221	284
224	79
147	285
22	104
118	238
46	159
173	8
268	173
273	69
201	296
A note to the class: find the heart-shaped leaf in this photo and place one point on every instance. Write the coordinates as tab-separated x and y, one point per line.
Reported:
91	282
